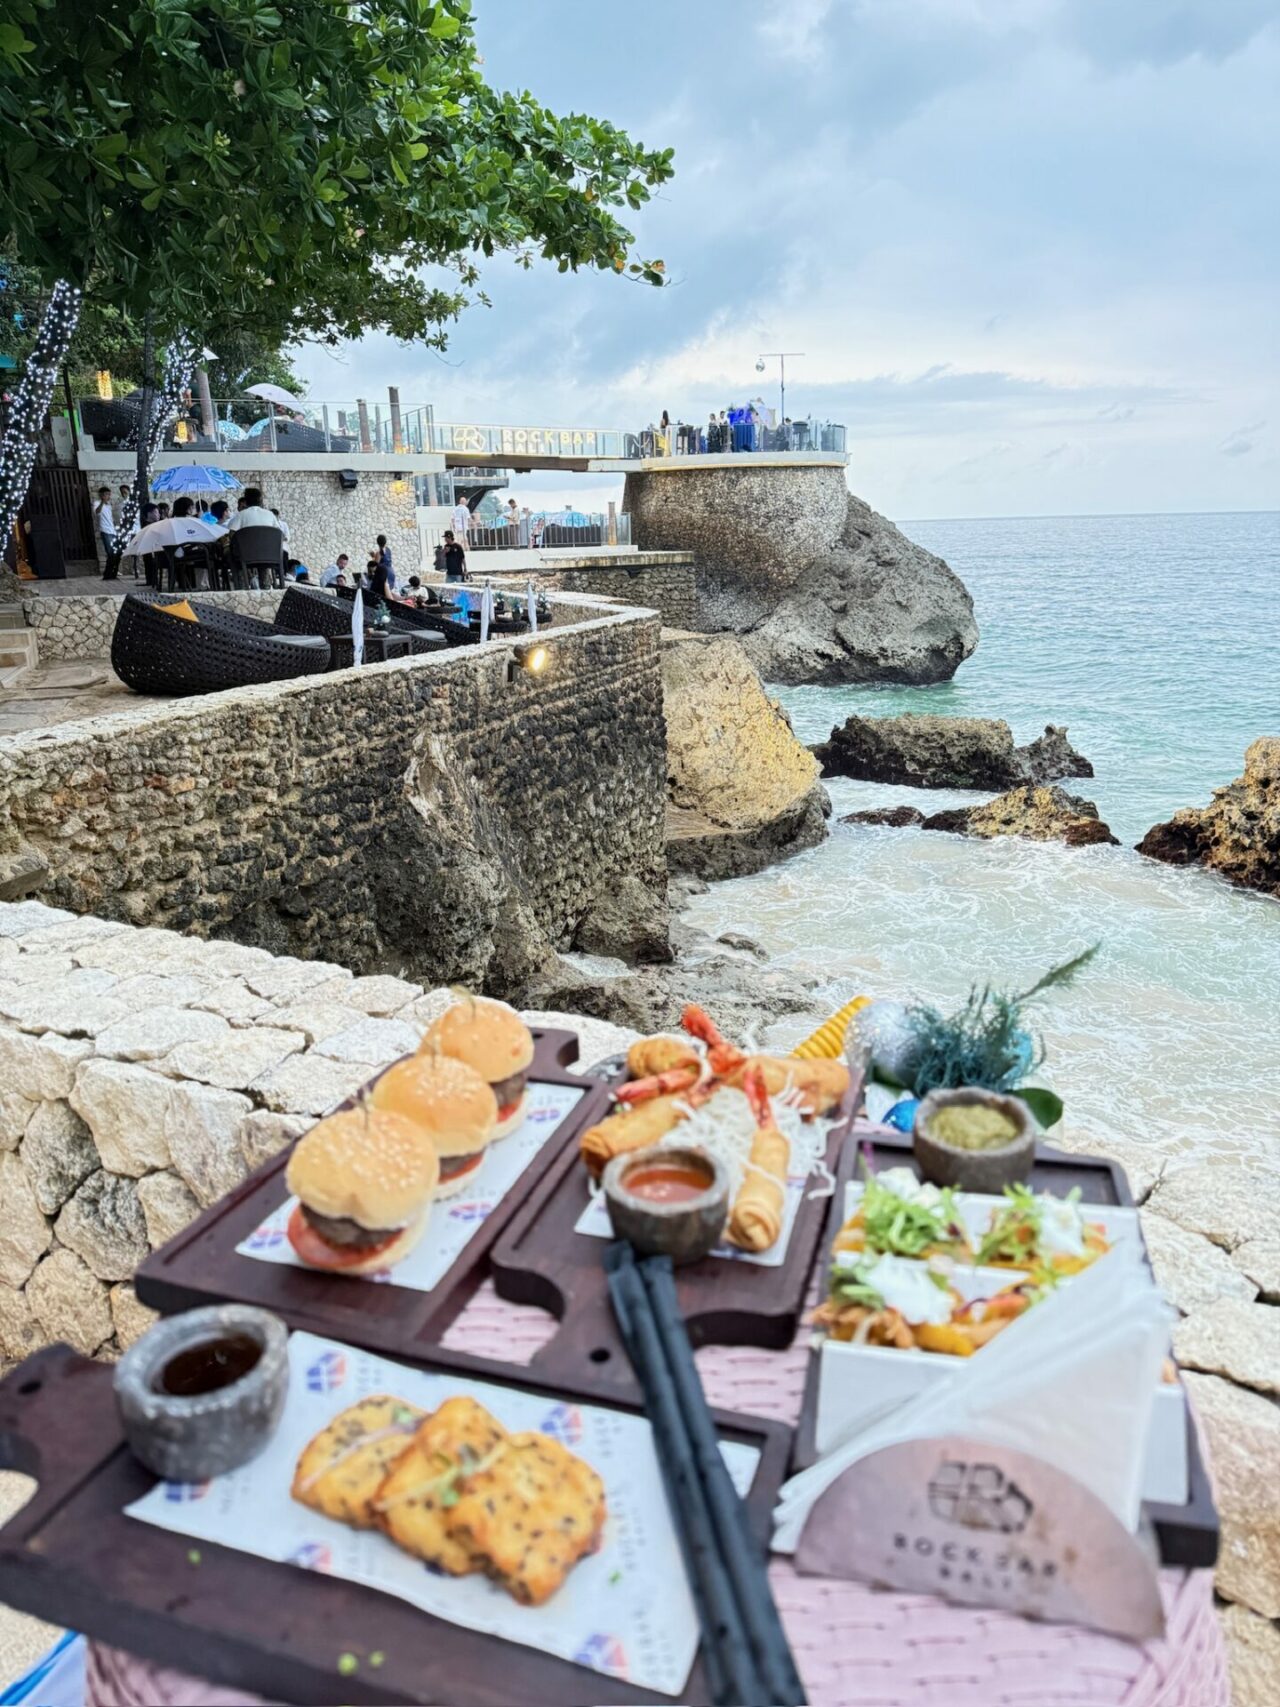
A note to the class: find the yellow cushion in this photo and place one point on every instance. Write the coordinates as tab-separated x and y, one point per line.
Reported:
181	609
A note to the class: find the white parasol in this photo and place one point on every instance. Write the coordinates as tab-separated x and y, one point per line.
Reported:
357	628
176	530
276	394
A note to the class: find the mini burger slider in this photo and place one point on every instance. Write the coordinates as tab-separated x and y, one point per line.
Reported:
364	1180
494	1041
450	1103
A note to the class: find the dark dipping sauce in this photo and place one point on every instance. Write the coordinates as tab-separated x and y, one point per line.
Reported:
667	1182
208	1367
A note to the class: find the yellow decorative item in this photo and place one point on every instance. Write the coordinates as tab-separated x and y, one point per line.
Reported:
181	609
827	1043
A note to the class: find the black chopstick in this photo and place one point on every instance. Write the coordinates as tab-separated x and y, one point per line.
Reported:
726	1649
744	1646
738	1546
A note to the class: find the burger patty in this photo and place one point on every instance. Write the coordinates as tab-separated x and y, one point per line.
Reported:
341	1230
510	1090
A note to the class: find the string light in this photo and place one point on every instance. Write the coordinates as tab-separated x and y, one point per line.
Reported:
31	400
179	364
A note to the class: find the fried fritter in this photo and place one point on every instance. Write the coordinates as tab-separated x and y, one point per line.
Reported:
341	1469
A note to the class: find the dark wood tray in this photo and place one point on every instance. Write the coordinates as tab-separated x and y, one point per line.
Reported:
201	1266
1187	1535
541	1260
73	1557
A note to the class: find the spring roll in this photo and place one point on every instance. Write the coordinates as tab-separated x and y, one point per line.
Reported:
756	1218
652	1055
630	1130
820	1084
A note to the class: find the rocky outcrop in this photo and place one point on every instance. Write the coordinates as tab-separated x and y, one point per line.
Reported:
946	752
1238	833
890	817
741	789
1045	814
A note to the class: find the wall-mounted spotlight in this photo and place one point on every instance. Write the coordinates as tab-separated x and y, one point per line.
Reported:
533	658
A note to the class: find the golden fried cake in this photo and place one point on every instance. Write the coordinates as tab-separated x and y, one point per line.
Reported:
414	1505
529	1516
343	1467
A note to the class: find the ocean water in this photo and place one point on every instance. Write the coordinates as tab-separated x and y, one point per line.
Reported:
1156	640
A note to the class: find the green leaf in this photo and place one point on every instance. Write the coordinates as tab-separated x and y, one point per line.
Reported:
1045	1105
444	27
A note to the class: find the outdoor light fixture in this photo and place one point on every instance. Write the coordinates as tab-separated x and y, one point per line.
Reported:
533	658
105	391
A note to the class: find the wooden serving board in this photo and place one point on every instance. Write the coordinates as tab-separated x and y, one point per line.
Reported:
72	1556
541	1260
1187	1535
201	1265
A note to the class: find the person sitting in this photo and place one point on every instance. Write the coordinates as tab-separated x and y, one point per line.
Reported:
215	514
252	513
341	582
414	591
336	571
298	571
182	508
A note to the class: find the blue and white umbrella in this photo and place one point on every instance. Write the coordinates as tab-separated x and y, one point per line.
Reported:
190	478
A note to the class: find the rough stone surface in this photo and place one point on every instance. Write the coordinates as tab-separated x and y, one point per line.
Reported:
1238	833
1259	1259
822	588
946	752
148	1035
1190	1270
1253	1652
1038	814
125	1108
202	1125
1242	1434
371	1040
20	1333
890	817
58	1153
263	1135
631	920
131	1319
167	1207
103	1223
317	1019
24	1232
40	1068
15	1112
233	1059
380	997
1235	1338
1226	1202
1143	1164
310	1084
69	1303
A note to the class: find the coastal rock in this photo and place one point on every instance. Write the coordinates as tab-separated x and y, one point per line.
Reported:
1037	814
946	752
1238	833
1259	1259
742	791
629	921
58	1153
1231	1337
1226	1202
1190	1270
69	1303
1242	1434
1143	1164
892	817
1253	1653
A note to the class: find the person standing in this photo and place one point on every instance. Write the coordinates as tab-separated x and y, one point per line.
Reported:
384	562
105	523
455	558
461	520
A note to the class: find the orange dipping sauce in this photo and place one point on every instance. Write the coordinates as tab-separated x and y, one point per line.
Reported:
667	1182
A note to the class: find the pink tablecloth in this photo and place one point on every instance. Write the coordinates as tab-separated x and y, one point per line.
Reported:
855	1646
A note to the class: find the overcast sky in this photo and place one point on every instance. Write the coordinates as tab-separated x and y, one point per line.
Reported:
1028	246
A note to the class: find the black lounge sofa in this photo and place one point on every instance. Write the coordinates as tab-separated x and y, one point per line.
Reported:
155	653
306	610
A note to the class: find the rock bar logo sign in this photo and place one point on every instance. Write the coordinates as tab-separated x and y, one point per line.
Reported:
985	1526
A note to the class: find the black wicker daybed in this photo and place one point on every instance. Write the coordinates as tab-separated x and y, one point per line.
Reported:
155	653
313	611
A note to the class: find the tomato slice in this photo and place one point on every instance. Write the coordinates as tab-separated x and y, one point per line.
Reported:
316	1251
508	1109
456	1167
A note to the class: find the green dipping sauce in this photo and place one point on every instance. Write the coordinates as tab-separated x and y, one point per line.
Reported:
972	1126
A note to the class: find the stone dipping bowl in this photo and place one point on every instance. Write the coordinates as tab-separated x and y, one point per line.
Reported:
686	1231
189	1439
975	1170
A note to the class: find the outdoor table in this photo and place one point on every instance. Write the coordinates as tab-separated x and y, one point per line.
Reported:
380	645
854	1646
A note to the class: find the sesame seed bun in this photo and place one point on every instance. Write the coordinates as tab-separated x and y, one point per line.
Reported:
489	1036
444	1098
365	1165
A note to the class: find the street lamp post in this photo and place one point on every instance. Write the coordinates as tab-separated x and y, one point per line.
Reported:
781	357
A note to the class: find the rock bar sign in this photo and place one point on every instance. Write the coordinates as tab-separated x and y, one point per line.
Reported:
531	441
984	1526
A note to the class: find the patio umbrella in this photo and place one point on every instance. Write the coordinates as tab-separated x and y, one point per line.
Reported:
276	394
230	430
176	530
194	477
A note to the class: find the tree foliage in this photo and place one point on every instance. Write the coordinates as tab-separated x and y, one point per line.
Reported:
292	168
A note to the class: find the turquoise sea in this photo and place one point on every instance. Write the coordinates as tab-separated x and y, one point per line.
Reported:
1156	640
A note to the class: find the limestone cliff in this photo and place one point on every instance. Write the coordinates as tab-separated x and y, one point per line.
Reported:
820	587
741	789
1238	833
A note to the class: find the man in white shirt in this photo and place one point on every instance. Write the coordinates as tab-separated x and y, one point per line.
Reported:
461	520
106	526
254	514
336	570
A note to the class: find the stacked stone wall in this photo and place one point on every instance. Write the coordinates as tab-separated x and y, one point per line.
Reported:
449	814
81	625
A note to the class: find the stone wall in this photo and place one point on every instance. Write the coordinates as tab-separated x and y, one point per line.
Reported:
661	581
323	519
429	814
142	1075
81	626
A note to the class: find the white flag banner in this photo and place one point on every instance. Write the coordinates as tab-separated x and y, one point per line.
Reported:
486	613
533	609
357	628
